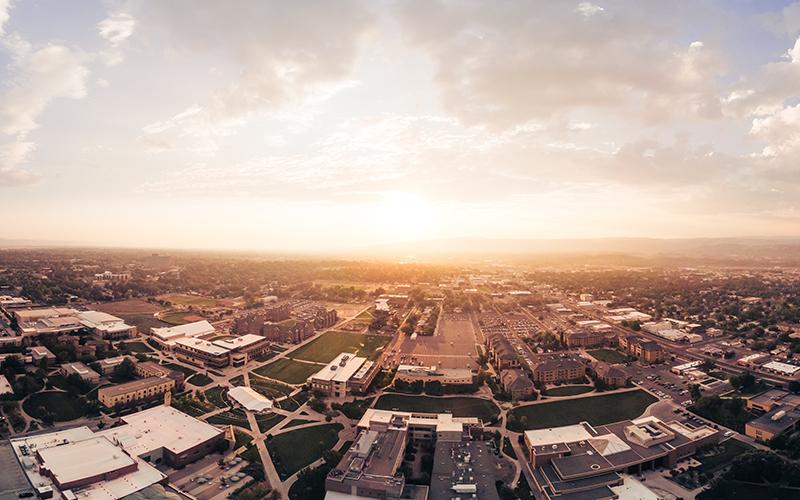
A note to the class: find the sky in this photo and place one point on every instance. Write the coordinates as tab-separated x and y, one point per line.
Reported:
322	125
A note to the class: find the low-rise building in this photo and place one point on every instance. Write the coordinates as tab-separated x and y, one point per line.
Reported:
146	369
646	350
445	376
584	338
39	353
517	383
166	336
462	471
558	369
108	366
81	370
612	376
134	391
47	321
249	399
105	326
587	460
781	419
334	378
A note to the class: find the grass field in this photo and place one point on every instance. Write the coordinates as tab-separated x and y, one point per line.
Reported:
62	405
235	417
569	390
289	458
188	372
216	396
181	299
458	406
608	355
268	388
597	410
242	439
325	348
180	317
135	312
136	346
297	421
288	370
199	379
267	422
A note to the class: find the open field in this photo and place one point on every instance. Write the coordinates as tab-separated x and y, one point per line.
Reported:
608	355
345	311
232	417
461	406
136	312
569	390
453	345
597	410
62	405
325	348
267	422
182	299
288	370
176	318
289	458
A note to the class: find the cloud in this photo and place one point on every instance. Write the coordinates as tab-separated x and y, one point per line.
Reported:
780	130
5	7
41	76
504	63
588	9
116	28
12	155
285	52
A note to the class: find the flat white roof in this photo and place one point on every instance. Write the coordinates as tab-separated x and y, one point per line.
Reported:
84	459
160	427
196	329
781	367
239	342
556	435
250	399
5	386
340	369
202	345
98	317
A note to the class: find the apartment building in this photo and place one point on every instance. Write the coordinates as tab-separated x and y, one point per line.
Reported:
557	369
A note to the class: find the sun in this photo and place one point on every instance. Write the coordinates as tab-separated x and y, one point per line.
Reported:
403	216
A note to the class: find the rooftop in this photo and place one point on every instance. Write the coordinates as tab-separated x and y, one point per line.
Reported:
341	369
83	459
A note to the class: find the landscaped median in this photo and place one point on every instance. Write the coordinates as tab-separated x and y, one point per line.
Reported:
597	410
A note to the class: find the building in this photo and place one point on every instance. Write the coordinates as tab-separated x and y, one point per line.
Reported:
151	369
47	321
166	336
113	277
757	358
785	369
500	351
371	466
445	376
108	366
646	350
517	383
105	326
243	347
137	390
5	386
583	338
462	471
612	376
781	419
587	461
290	331
81	370
334	378
685	367
39	353
558	369
250	400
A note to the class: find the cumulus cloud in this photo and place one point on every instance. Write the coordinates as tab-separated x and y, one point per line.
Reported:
780	130
5	8
41	75
504	63
285	52
12	155
588	9
116	28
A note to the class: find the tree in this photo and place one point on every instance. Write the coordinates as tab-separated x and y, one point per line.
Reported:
126	370
707	365
794	386
742	381
694	391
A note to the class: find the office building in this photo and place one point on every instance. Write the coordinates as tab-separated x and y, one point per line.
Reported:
81	370
135	391
105	326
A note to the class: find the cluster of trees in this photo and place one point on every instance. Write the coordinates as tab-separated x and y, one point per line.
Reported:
758	467
310	484
730	412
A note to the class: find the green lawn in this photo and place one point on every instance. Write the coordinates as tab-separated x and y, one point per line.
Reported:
188	372
199	379
216	396
176	318
62	405
136	347
242	439
190	300
268	388
728	451
289	458
267	422
458	406
288	370
297	421
235	417
325	348
569	390
597	410
608	355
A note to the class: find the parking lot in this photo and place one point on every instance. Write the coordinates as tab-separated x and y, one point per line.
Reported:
207	479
